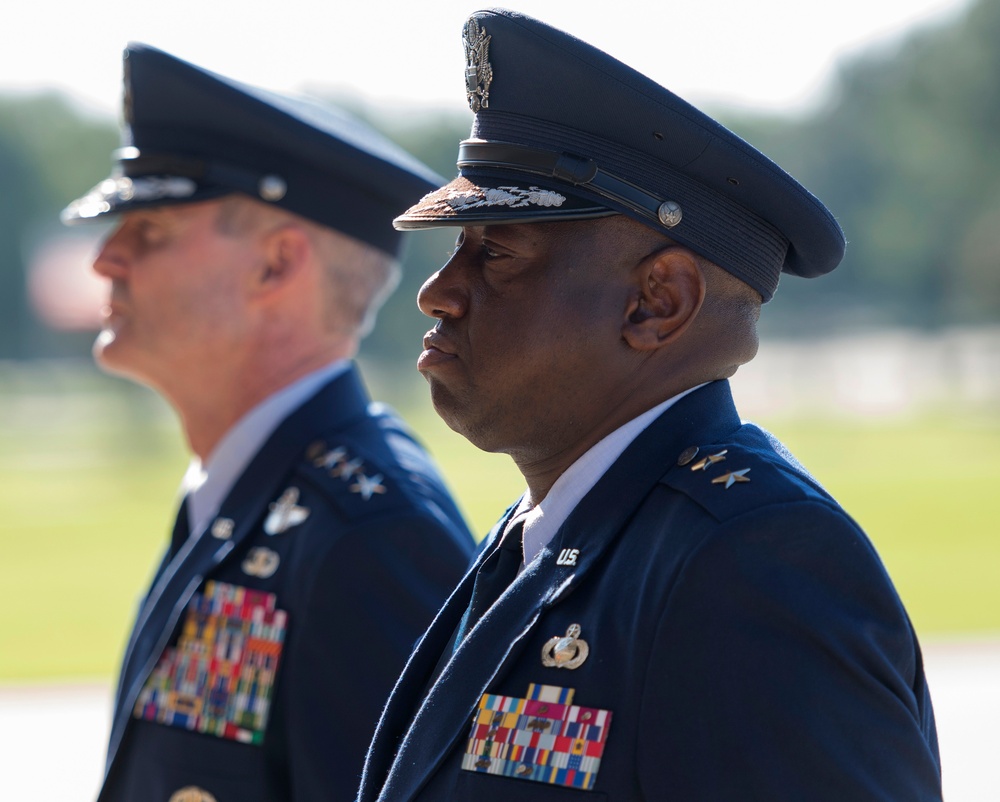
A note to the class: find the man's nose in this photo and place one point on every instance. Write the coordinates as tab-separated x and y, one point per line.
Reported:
443	294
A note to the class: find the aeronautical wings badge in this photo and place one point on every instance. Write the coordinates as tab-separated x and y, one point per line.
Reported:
285	513
478	72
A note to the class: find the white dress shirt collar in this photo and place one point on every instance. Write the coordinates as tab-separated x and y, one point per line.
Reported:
543	520
208	484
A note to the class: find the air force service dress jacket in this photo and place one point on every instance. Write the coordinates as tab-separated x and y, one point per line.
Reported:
328	559
704	626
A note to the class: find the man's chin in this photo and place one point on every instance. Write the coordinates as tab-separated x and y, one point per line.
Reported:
460	419
446	406
111	356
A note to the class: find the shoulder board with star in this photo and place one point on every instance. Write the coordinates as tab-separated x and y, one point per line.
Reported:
729	479
350	478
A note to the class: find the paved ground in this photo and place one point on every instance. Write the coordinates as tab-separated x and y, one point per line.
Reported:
52	737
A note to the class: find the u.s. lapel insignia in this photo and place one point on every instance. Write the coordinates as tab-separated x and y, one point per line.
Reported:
478	72
569	651
568	557
261	562
727	480
285	513
368	486
544	738
710	460
222	528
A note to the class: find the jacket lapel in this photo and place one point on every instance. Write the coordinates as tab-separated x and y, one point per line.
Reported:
411	685
335	406
445	715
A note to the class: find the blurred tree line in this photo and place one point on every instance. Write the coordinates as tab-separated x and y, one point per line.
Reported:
905	152
907	155
49	154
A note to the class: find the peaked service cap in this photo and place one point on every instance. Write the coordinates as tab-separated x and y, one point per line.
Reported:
563	131
190	135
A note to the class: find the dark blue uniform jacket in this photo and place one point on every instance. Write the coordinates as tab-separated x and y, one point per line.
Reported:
360	561
743	636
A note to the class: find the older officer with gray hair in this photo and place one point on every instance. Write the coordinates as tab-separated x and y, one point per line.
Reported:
315	540
674	609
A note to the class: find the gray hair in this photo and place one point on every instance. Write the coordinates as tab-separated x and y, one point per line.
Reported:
359	277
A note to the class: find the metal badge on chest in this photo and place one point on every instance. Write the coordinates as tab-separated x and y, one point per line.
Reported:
569	651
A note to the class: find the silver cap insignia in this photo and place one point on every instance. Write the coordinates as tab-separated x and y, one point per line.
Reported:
478	72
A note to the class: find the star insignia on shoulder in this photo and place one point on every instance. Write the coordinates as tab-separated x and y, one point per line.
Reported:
285	513
347	469
330	459
710	460
727	480
368	486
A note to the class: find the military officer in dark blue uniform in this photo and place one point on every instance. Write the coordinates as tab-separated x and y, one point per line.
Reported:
675	609
253	245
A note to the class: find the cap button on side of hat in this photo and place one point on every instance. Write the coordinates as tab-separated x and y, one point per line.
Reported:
669	213
272	188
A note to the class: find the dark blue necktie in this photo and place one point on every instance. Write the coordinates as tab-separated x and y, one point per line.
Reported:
182	528
493	578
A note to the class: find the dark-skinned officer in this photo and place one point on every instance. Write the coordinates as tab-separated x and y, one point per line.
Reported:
674	609
252	246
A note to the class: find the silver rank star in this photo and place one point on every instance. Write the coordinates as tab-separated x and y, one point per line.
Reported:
331	458
345	470
368	486
727	480
285	513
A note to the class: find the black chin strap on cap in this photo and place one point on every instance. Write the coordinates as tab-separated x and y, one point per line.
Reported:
575	170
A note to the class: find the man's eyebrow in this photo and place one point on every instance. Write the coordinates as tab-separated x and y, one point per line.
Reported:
518	232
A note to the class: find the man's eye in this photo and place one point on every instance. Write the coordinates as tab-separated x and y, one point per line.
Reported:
490	253
456	247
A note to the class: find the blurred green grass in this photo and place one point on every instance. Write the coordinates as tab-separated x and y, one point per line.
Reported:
89	467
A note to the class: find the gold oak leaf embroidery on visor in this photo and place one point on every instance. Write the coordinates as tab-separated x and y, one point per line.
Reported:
511	197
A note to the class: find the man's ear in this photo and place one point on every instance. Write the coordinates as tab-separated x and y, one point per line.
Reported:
286	249
668	293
